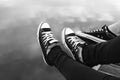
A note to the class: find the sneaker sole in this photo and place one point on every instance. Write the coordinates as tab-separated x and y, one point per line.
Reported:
95	39
65	45
38	31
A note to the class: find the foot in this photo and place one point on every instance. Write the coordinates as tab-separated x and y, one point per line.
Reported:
103	33
73	44
88	38
46	40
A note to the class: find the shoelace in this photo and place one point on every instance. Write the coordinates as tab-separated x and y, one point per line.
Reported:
97	30
48	36
74	41
100	30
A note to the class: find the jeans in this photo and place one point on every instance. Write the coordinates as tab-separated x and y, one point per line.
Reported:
102	53
73	70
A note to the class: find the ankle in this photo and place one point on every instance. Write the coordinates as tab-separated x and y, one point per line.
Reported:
54	54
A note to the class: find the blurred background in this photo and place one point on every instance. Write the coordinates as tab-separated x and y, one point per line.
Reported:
20	54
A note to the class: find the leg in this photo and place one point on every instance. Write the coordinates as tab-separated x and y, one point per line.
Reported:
102	53
55	56
73	70
93	54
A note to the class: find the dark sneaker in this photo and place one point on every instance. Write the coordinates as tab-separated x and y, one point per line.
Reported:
73	44
89	39
46	40
103	33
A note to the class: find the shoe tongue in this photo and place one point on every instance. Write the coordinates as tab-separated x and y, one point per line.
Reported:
83	44
53	41
46	29
51	45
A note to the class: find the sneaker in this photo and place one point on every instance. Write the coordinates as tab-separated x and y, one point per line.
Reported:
103	33
46	40
73	44
89	39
